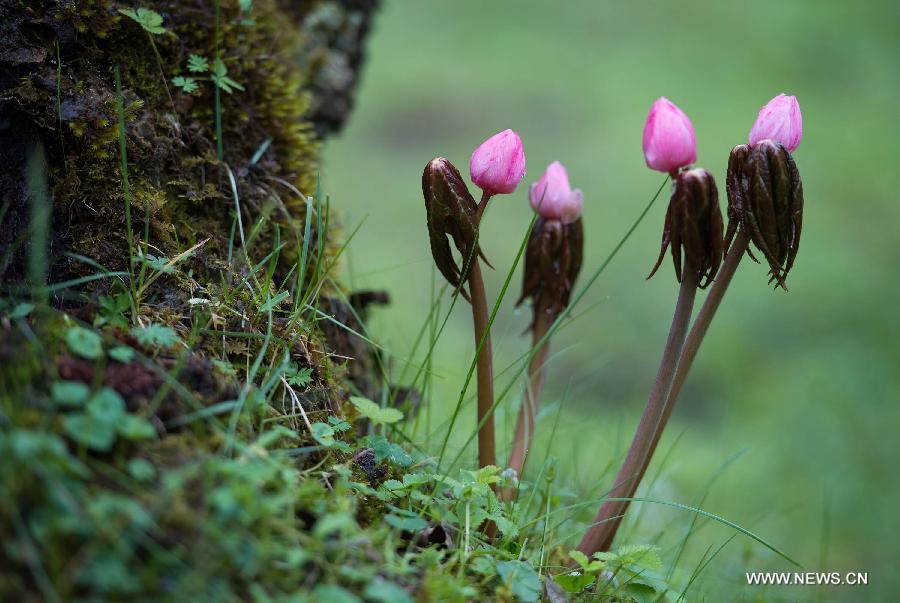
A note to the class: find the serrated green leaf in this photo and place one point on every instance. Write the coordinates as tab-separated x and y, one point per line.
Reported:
387	450
375	413
84	342
186	84
150	20
197	64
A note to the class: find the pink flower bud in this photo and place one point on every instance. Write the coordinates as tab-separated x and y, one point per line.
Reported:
553	198
669	140
779	120
498	164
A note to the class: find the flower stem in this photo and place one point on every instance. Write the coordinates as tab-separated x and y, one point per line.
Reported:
485	378
531	401
600	535
703	320
487	454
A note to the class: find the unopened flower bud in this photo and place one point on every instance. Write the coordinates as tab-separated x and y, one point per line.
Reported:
451	212
779	120
765	199
552	196
694	227
669	140
498	164
552	262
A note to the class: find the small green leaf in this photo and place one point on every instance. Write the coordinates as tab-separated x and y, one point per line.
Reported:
87	431
219	76
298	377
106	406
141	469
132	427
186	84
150	20
387	450
69	393
155	336
521	579
84	343
579	558
197	64
323	433
374	412
122	353
574	582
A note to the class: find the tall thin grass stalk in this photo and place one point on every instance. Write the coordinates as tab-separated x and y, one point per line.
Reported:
653	421
531	401
126	193
39	223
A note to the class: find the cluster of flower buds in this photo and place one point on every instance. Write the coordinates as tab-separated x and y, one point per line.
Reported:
693	225
497	166
554	250
765	194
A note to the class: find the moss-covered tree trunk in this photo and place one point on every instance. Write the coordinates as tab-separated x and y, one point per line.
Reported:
291	68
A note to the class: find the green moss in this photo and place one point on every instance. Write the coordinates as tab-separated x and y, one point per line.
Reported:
172	161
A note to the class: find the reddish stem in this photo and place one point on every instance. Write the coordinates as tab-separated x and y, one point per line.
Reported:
601	533
531	401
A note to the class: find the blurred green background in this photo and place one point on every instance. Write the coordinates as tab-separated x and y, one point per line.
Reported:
805	383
